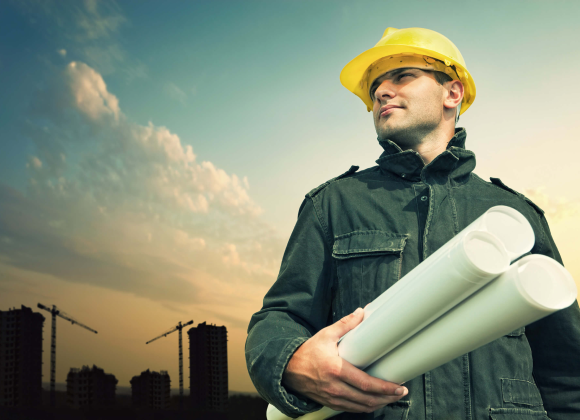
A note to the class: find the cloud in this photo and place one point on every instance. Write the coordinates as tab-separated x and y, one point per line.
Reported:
34	163
230	255
45	239
90	92
556	209
174	92
99	19
91	29
129	207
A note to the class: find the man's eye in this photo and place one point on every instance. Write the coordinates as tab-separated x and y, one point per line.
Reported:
403	75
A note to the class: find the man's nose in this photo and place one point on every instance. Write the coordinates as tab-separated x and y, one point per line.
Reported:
385	91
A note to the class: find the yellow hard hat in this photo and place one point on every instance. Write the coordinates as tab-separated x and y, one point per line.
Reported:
410	47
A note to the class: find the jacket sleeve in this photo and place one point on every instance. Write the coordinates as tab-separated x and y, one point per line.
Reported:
295	308
555	344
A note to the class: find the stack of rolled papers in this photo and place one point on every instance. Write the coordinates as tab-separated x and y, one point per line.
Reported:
446	306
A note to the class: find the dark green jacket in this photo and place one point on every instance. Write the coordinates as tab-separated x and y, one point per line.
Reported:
418	208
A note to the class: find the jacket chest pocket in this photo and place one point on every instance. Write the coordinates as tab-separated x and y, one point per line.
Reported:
367	263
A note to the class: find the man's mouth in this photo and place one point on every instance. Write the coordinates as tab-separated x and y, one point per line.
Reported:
387	109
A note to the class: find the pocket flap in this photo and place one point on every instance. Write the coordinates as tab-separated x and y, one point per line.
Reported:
366	243
518	391
517	414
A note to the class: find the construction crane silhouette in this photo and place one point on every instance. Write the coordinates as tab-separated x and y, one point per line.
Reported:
178	327
54	311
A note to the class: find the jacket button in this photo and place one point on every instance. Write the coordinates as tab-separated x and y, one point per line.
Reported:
402	175
424	198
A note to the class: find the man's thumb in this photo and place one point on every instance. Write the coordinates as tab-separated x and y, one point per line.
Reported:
347	323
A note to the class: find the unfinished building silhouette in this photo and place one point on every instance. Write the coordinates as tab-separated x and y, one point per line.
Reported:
151	390
90	387
208	367
20	357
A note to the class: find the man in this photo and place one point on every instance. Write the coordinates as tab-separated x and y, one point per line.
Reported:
359	233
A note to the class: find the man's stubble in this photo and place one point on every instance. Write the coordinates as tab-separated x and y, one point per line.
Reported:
415	123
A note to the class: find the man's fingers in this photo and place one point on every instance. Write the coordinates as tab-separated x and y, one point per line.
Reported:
344	397
350	406
367	383
341	327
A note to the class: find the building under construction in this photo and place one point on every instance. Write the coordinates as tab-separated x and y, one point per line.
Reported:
90	387
208	367
151	390
20	357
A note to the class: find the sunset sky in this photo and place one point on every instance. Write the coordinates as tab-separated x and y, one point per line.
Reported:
154	154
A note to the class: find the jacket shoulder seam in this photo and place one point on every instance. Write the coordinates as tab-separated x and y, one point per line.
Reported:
498	183
496	188
312	193
539	213
345	176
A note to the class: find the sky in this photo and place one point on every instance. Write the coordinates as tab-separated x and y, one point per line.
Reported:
153	155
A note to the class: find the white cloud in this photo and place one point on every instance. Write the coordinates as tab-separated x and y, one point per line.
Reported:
90	92
62	52
555	209
130	207
34	163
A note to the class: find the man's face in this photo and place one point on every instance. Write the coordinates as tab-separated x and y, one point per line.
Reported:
408	105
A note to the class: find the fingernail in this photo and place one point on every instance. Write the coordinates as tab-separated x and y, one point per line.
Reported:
400	391
358	311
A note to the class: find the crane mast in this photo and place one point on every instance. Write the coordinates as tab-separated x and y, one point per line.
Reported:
54	312
179	327
180	369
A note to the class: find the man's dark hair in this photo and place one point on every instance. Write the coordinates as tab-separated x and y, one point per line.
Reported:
441	77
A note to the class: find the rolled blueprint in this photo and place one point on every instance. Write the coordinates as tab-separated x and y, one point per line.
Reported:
503	222
532	288
476	255
508	225
430	290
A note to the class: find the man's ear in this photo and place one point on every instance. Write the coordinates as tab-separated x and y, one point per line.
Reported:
454	94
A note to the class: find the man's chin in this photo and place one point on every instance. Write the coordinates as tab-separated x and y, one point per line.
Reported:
404	138
388	133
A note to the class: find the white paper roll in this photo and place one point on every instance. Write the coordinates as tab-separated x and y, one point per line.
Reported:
531	289
428	291
272	413
508	225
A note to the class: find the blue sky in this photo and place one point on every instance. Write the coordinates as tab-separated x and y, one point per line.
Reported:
174	153
253	86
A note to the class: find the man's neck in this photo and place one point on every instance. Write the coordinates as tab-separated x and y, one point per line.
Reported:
432	145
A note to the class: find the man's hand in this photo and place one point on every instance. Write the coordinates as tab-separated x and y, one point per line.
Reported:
316	371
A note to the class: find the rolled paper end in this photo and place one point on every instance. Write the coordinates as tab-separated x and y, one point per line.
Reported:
486	255
545	283
272	413
512	229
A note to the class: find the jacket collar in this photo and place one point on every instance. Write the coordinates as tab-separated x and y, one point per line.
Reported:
454	163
